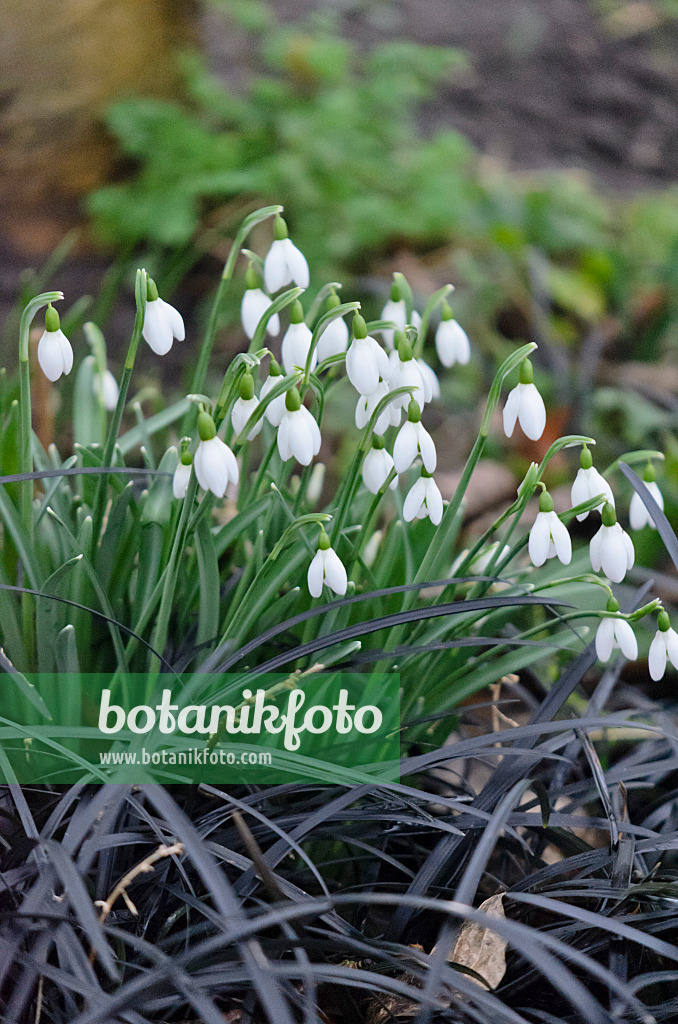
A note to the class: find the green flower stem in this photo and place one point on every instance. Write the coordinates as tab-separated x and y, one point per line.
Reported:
633	458
316	305
26	455
116	419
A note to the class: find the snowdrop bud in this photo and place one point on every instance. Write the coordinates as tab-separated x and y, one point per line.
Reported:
423	499
452	344
413	439
326	567
371	549
315	483
162	322
366	361
615	634
298	433
245	406
215	463
549	537
334	339
297	342
526	405
611	549
182	474
55	354
665	642
377	466
284	263
276	409
255	302
588	483
638	514
106	387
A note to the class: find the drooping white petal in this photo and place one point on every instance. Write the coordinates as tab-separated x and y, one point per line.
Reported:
335	573
376	468
276	409
300	439
66	351
626	639
430	380
397	312
638	514
175	320
427	448
408	375
594	550
561	539
540	538
452	344
613	553
182	474
283	436
242	410
605	639
52	354
581	493
434	501
295	346
405	447
630	550
296	264
671	642
656	661
334	340
311	426
414	500
367	404
211	467
532	412
159	326
511	410
316	575
361	367
276	270
107	387
254	305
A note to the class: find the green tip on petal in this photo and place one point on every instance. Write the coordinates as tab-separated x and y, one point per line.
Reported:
279	228
585	458
609	516
649	474
206	428
413	412
151	290
51	319
545	502
323	542
612	605
526	372
296	313
247	386
274	369
663	621
359	326
252	278
395	293
292	400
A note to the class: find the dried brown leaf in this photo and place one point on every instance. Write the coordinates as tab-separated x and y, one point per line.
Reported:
480	948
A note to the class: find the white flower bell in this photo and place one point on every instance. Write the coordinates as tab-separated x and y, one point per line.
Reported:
162	322
254	304
284	263
423	499
298	433
614	634
182	474
451	340
215	463
589	483
664	643
326	567
396	311
525	405
297	342
275	410
55	354
377	466
334	339
106	388
368	403
244	406
430	381
611	548
638	514
405	372
413	439
549	537
366	361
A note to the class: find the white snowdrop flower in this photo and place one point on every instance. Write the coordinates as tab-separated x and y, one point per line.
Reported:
182	474
315	483
162	322
298	433
549	537
334	339
611	549
297	342
526	405
326	567
275	410
396	310
366	361
371	549
638	514
254	304
215	463
429	380
244	406
423	499
55	354
589	483
106	388
368	403
406	373
377	466
284	263
452	344
413	439
665	642
615	634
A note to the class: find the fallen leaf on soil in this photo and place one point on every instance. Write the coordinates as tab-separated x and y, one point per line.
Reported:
480	948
